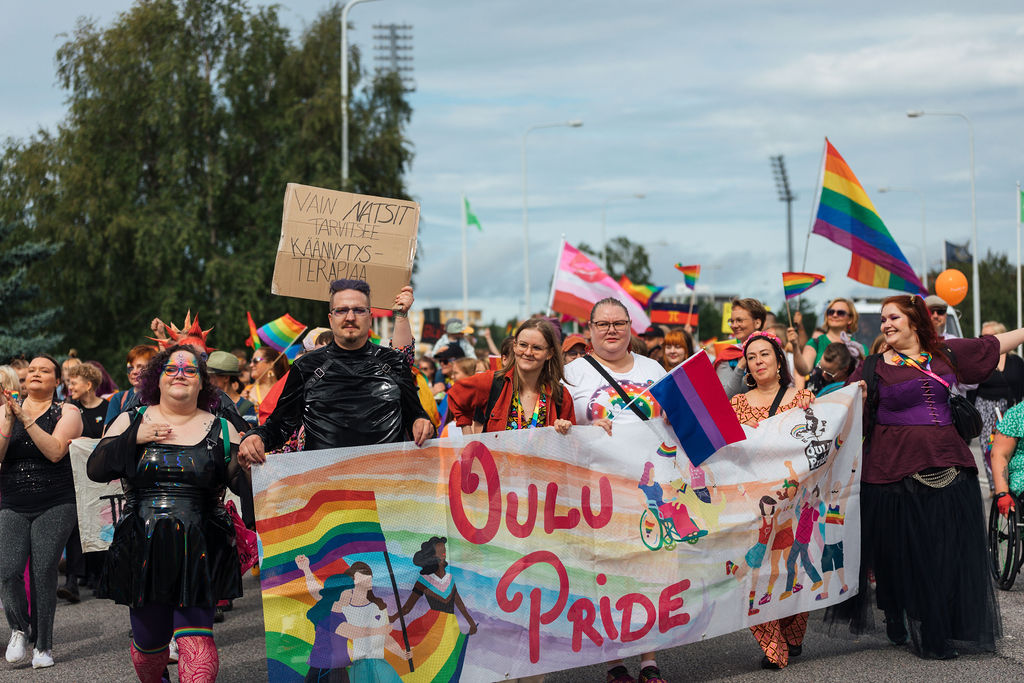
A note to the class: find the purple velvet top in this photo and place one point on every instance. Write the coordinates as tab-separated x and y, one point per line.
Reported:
913	428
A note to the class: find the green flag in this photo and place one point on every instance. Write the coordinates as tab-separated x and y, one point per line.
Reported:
471	218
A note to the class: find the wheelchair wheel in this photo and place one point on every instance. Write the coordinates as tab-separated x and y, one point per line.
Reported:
1004	543
650	530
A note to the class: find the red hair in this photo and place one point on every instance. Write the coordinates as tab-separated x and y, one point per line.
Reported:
920	320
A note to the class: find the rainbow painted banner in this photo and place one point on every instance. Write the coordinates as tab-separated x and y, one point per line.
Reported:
796	284
518	553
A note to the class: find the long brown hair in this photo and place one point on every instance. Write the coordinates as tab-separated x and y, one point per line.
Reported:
553	372
920	320
363	568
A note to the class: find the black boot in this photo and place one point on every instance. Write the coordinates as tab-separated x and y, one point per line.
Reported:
69	591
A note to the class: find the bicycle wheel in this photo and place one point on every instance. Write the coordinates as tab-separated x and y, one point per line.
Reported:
1004	546
650	530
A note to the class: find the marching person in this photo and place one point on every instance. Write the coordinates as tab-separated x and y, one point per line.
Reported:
350	392
601	383
747	317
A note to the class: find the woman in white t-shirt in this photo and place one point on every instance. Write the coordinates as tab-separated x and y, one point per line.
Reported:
596	401
369	630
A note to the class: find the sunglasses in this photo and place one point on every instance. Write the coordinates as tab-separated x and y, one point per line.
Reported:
837	312
938	310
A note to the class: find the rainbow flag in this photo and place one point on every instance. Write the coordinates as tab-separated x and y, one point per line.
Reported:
254	338
693	400
644	294
666	451
796	284
690	274
281	333
846	216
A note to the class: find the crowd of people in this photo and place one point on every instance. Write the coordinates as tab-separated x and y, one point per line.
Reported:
175	561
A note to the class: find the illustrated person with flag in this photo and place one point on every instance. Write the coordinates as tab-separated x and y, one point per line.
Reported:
350	392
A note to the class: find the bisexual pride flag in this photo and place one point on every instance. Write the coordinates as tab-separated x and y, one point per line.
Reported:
692	398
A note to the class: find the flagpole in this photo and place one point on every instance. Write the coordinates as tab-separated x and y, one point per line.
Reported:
465	267
398	606
817	201
558	261
648	388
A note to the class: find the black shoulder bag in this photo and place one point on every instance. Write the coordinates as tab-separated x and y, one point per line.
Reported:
618	388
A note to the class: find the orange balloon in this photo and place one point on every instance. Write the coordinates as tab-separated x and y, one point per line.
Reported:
951	285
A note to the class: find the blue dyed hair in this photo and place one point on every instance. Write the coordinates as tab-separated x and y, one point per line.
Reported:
334	586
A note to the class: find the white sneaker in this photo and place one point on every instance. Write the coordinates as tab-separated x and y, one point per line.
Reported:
172	651
41	660
16	647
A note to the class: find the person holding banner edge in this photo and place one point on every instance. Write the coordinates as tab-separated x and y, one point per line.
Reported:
922	525
612	376
348	393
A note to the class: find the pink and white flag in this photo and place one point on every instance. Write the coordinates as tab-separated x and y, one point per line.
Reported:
580	283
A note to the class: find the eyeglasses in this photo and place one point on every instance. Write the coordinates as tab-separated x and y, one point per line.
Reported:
837	312
357	311
573	354
604	325
938	310
523	347
189	371
732	322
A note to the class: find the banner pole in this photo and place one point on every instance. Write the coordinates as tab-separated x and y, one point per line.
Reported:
554	277
398	606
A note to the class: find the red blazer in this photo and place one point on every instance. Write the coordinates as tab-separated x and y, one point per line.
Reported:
471	393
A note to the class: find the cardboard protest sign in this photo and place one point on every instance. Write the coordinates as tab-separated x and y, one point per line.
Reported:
515	553
327	235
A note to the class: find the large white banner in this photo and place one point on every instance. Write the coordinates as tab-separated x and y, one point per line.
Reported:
518	553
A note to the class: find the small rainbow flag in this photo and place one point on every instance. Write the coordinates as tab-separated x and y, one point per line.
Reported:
693	400
254	338
666	451
644	294
796	284
690	274
846	216
281	333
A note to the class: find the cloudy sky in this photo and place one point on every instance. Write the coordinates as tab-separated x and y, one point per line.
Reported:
682	102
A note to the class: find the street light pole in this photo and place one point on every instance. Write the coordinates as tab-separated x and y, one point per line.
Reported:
924	243
976	294
785	195
344	90
574	123
604	211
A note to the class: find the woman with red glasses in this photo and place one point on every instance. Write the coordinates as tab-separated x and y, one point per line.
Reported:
840	323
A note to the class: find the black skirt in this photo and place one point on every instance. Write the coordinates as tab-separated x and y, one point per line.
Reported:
927	548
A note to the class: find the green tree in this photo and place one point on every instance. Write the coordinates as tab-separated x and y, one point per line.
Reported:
21	323
709	323
164	182
624	257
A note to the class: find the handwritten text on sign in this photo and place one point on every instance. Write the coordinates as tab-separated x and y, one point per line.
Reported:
328	235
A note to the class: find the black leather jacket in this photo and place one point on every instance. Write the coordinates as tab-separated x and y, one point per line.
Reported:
346	398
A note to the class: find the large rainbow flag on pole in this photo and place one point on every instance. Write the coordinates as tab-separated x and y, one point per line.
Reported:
846	216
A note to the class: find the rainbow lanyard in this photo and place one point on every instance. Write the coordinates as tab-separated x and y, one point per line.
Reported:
925	358
536	411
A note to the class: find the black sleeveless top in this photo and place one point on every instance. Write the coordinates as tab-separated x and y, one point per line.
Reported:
29	482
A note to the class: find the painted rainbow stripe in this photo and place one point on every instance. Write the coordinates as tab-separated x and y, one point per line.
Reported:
694	401
667	451
796	284
847	217
281	333
690	274
642	293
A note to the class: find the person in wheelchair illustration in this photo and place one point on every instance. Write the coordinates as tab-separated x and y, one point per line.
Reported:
663	524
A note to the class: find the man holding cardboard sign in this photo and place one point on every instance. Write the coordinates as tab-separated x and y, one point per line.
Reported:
348	393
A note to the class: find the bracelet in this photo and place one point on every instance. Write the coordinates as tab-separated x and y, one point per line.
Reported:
25	427
399	313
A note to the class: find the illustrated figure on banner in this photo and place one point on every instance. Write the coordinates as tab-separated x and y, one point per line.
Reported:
438	642
754	557
835	519
672	516
330	657
697	496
